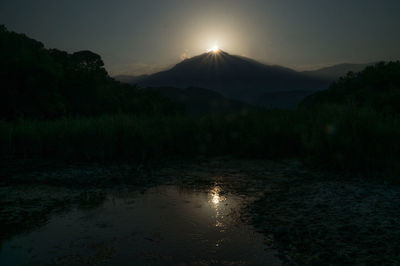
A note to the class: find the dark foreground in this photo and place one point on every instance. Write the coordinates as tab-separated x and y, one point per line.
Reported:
200	212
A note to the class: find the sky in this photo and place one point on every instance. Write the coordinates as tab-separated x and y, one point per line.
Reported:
136	37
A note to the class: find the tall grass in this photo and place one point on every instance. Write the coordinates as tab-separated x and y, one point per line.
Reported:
337	137
121	136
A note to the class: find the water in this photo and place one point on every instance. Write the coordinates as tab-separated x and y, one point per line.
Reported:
165	225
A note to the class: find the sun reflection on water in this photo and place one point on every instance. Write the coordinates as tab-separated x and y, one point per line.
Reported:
216	198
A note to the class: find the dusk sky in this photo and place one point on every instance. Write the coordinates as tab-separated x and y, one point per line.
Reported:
136	37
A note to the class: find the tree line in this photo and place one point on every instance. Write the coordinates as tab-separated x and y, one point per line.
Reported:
45	83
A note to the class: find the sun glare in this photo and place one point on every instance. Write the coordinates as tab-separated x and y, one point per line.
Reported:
214	49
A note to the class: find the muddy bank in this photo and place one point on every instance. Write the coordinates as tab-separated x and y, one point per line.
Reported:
314	221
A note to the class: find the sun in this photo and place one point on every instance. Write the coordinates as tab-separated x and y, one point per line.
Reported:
214	49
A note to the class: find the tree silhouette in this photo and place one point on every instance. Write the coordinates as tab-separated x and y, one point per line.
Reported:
376	87
49	83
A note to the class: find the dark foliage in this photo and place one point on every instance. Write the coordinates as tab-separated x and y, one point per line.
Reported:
45	83
377	87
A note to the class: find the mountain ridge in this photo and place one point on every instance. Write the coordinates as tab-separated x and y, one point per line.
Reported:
246	80
234	77
336	71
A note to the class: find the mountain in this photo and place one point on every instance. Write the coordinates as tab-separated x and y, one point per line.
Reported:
130	79
198	100
336	71
239	78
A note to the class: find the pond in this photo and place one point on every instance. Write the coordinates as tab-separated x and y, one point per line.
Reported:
166	225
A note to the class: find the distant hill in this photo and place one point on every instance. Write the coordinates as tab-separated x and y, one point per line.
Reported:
197	100
336	71
239	78
130	79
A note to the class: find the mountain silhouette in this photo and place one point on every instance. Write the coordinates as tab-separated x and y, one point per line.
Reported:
336	71
130	79
239	78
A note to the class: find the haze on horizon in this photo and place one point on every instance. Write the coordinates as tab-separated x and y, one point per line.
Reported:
136	37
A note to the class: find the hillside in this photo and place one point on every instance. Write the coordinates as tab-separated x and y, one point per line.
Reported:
198	100
377	87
